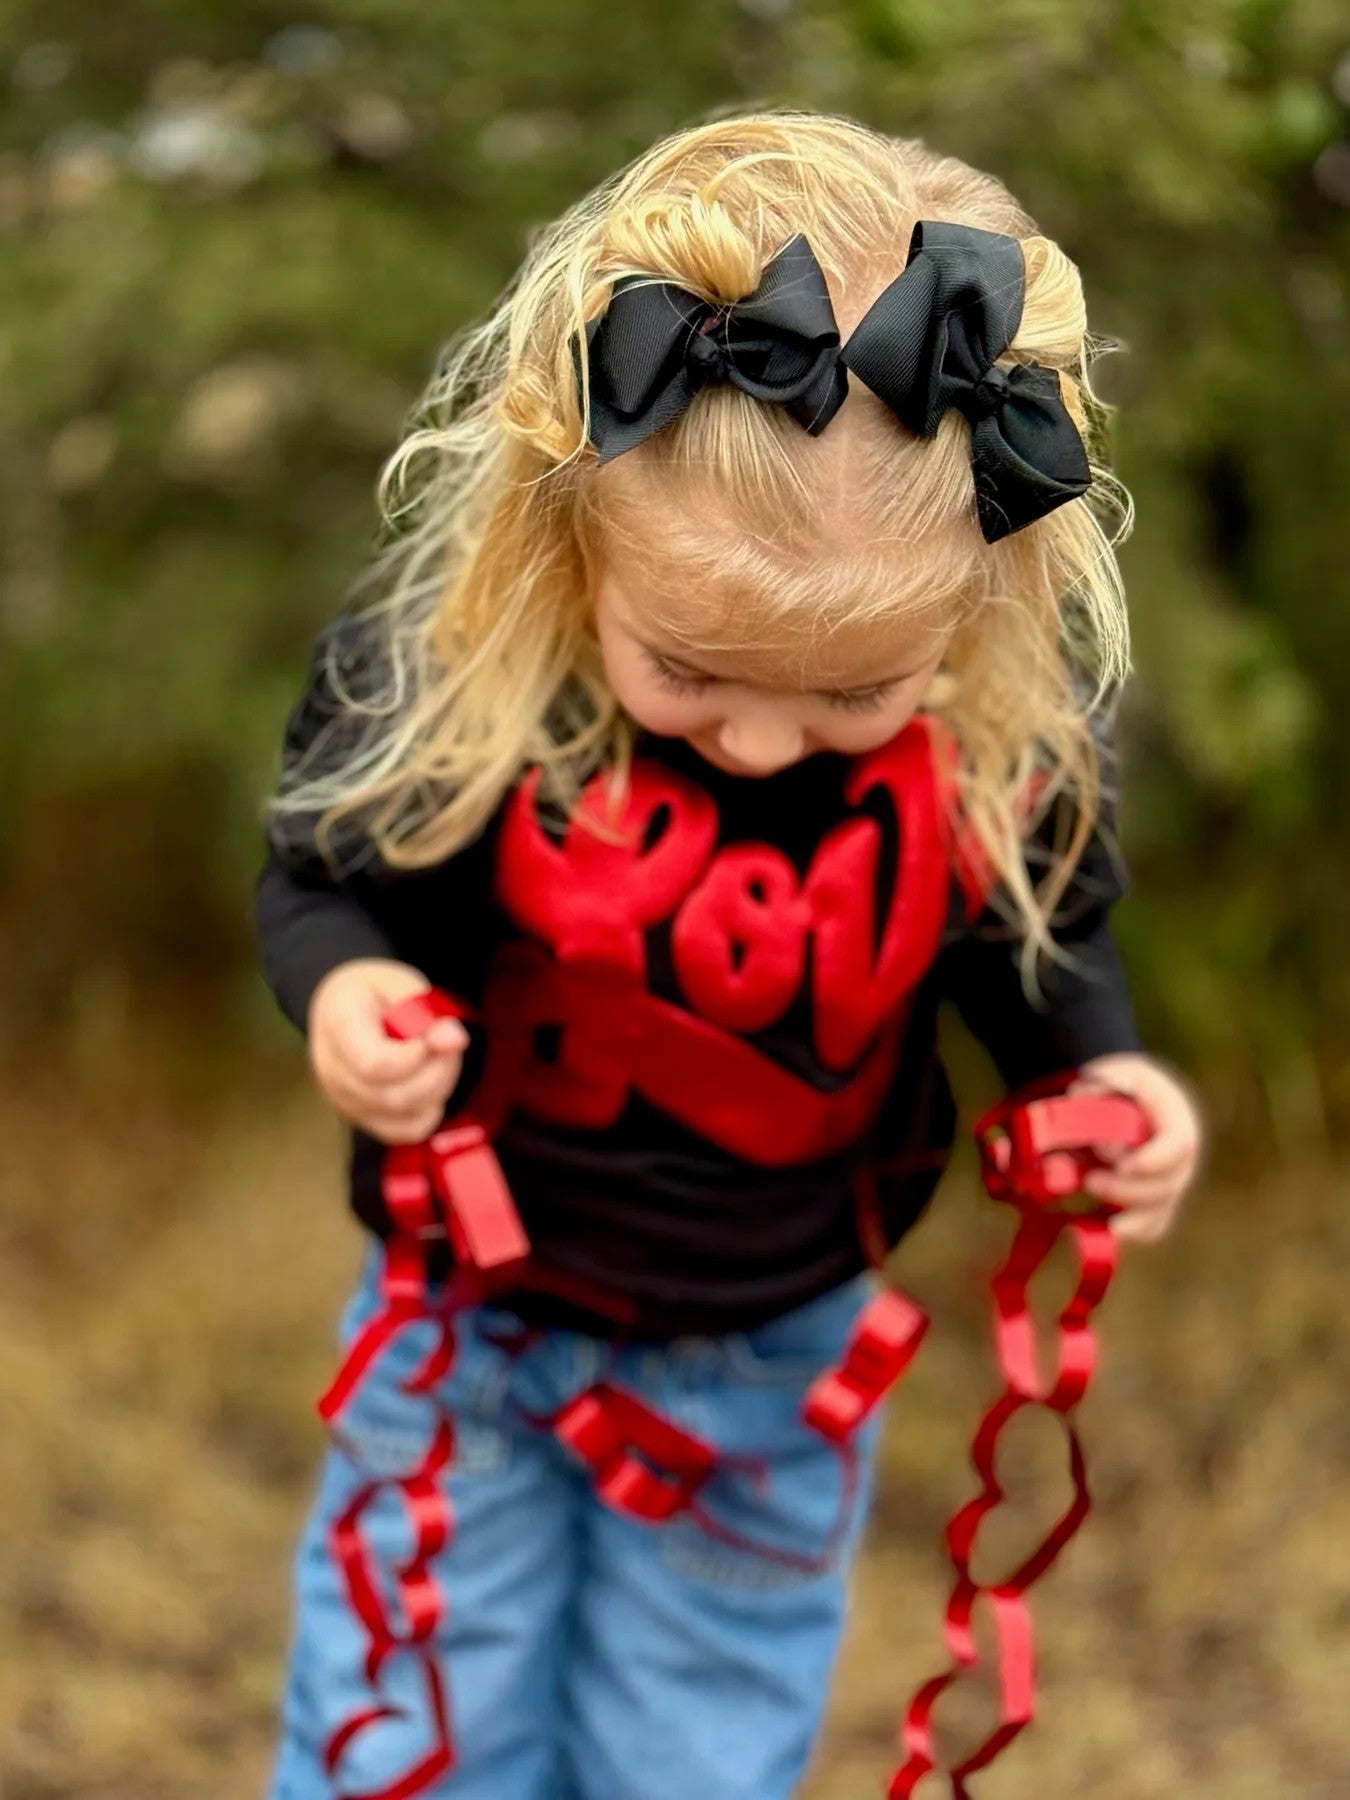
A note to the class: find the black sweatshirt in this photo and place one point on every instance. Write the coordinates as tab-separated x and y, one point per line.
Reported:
718	1039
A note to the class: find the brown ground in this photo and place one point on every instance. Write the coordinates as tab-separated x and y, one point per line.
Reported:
162	1349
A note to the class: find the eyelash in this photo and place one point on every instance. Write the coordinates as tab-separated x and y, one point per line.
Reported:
674	679
679	683
863	701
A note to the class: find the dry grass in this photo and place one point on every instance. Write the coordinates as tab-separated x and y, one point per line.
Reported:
163	1343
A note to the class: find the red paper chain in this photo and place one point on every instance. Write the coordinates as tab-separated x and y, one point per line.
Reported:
420	1599
1036	1148
422	1185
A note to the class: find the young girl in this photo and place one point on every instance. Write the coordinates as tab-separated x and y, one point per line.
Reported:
737	689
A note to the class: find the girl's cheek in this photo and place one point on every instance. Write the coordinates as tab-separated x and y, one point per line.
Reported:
669	718
856	733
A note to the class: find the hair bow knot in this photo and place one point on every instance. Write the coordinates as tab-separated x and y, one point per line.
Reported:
989	393
709	356
656	345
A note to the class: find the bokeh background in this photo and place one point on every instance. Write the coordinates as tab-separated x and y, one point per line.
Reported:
232	239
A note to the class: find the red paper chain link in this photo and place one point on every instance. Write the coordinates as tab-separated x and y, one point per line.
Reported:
649	1469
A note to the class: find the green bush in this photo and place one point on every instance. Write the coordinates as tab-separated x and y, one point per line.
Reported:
233	239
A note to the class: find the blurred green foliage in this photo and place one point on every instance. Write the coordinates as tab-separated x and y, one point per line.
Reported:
232	239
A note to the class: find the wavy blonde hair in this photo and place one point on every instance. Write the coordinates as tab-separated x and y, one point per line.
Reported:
497	513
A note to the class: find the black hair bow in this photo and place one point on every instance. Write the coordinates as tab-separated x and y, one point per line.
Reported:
930	340
656	345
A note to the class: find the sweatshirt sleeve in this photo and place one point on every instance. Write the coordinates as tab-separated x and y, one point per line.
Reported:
1084	1009
305	931
307	918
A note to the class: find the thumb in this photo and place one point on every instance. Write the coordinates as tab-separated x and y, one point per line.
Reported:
447	1035
358	1020
388	984
393	981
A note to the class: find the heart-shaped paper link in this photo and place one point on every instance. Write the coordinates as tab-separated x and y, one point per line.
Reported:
439	1758
964	1526
1015	1667
429	1514
1036	1148
1015	1337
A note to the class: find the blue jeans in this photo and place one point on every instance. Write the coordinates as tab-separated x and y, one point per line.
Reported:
587	1656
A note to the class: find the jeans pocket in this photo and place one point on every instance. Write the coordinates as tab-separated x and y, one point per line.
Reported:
784	1505
775	1515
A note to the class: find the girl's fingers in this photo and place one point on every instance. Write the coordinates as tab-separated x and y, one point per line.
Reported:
394	1129
409	1094
1146	1190
447	1034
1147	1181
429	1087
372	1056
1165	1150
1087	1084
1159	1155
1141	1227
1113	1152
368	1055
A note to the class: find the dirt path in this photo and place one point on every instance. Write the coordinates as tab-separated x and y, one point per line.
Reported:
162	1347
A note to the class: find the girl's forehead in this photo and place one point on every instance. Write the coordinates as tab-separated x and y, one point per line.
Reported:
735	634
826	590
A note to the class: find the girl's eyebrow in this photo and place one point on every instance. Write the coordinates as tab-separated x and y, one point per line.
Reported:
860	687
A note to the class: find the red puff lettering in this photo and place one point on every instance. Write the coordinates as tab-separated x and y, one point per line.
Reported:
590	897
742	923
739	940
589	900
856	986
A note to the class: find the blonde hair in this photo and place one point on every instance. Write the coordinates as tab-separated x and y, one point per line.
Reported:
497	510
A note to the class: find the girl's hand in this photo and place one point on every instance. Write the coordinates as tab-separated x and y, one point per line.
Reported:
1151	1180
396	1091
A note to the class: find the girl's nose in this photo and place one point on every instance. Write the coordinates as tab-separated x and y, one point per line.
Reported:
760	744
